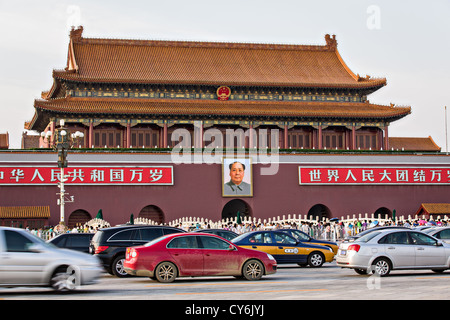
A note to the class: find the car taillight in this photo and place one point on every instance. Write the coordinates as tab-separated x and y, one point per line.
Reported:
131	254
100	249
354	247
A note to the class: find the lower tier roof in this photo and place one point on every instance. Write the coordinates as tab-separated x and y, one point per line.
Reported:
200	109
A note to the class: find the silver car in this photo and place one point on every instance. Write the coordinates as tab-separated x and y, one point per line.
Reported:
26	260
441	233
385	250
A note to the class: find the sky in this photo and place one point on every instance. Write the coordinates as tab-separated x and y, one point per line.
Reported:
406	42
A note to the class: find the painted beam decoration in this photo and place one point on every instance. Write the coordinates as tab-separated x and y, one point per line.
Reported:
102	175
374	175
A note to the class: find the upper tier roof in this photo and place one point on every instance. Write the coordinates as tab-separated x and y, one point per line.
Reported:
209	63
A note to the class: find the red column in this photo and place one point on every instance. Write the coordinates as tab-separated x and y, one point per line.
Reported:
52	129
128	141
286	136
91	134
353	138
320	137
250	136
386	137
164	136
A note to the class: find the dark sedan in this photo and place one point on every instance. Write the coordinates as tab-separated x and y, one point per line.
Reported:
73	241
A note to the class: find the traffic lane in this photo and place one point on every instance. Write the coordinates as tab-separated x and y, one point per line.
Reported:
289	283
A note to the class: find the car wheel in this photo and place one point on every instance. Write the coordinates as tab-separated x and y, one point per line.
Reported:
381	267
117	267
438	270
316	259
360	271
166	272
65	279
253	270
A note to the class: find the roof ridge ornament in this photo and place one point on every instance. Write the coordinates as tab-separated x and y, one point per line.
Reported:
331	41
76	34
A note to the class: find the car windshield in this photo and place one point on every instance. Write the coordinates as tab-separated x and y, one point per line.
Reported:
150	243
430	230
238	238
300	235
368	237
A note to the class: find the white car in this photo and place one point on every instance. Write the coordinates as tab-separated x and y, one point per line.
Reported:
385	250
441	233
26	260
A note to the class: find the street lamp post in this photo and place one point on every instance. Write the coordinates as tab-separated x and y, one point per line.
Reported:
62	145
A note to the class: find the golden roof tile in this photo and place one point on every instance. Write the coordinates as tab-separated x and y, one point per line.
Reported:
209	63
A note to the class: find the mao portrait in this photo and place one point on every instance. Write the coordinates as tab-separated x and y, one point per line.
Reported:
237	177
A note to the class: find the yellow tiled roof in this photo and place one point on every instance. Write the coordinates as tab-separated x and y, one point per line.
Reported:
209	63
25	212
221	108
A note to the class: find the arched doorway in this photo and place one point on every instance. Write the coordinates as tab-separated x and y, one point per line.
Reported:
78	217
153	213
232	207
319	211
382	212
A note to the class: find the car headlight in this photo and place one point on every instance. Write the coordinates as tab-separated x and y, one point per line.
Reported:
270	257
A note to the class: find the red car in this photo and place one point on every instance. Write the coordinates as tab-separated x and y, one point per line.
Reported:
196	254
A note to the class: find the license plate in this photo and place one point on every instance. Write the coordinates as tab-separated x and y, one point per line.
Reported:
343	252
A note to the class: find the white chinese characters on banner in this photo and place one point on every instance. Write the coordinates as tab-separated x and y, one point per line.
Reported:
149	175
375	175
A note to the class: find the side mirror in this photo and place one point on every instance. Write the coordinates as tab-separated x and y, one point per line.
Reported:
439	244
231	248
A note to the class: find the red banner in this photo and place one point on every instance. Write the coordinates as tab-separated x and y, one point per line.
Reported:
374	175
151	175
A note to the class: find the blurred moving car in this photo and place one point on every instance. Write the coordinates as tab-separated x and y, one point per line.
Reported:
26	260
441	233
110	244
303	237
394	249
73	241
226	234
196	254
285	248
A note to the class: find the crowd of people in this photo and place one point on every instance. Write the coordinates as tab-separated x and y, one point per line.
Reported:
318	229
321	230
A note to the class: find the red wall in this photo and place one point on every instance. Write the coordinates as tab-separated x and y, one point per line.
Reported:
197	192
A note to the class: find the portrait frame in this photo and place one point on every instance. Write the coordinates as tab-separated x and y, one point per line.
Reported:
245	188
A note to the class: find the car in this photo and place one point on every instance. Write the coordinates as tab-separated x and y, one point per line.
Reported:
285	248
73	241
394	249
226	234
441	233
196	254
303	237
26	260
110	244
356	236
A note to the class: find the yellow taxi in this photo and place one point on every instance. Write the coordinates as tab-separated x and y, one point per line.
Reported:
303	237
285	248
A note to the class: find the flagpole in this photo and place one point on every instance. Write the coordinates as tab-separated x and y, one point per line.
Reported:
446	135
